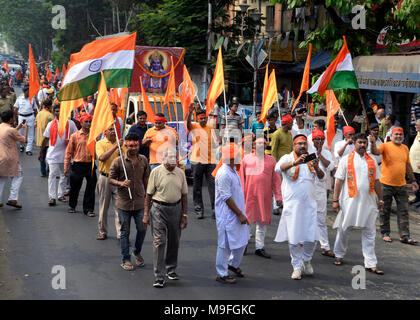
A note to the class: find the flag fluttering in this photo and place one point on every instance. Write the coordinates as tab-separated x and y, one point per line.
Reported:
33	76
339	74
217	84
188	92
305	79
49	75
6	66
64	69
57	73
265	84
170	90
102	117
66	107
270	97
332	108
112	56
146	104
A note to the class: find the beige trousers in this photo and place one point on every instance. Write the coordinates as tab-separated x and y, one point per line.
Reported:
106	193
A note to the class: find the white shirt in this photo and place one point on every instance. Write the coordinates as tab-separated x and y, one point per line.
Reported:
377	158
23	105
359	211
56	153
228	185
338	146
42	94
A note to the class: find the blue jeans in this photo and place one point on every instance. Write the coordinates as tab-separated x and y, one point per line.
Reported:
125	220
43	163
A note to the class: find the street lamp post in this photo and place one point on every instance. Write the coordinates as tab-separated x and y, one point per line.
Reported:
256	16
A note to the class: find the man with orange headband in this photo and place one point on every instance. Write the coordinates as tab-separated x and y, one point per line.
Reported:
282	142
81	168
356	187
259	183
395	166
135	182
298	223
203	159
231	220
159	138
344	147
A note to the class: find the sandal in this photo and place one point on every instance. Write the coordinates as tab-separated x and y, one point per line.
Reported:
237	271
408	240
62	199
101	237
91	214
338	261
328	253
139	261
386	237
71	210
376	271
226	279
127	266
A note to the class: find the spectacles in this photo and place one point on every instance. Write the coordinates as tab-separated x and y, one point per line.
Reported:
319	139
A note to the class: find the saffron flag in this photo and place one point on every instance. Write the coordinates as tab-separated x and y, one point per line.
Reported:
146	104
339	74
49	75
188	92
170	90
64	69
6	66
332	108
305	79
265	84
121	109
66	107
57	73
33	75
271	96
112	56
102	117
217	84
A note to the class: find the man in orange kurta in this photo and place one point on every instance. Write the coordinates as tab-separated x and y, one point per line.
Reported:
259	182
9	160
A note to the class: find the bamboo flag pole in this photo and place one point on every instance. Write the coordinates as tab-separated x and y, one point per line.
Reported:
226	126
122	160
342	113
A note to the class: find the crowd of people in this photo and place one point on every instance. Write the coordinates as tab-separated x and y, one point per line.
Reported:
285	168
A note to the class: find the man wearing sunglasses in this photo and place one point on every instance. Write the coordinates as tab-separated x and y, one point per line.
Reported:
81	168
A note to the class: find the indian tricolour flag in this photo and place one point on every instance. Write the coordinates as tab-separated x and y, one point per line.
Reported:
113	56
339	74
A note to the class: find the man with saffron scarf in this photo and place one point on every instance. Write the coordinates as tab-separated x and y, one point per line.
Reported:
298	223
81	168
259	183
158	139
56	150
231	220
357	181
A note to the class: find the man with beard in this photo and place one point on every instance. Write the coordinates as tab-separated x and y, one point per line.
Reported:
298	223
357	181
395	166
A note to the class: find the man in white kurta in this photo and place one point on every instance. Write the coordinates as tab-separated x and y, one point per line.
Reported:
344	147
359	207
231	221
298	223
326	162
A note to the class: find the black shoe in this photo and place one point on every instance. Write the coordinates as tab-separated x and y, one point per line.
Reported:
199	215
276	212
52	202
172	276
262	253
29	153
21	148
159	284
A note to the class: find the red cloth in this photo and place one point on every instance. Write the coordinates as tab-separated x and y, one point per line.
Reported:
317	134
259	182
54	132
85	117
397	129
348	129
286	119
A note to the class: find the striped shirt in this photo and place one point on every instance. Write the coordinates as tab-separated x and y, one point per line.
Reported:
268	137
41	121
77	149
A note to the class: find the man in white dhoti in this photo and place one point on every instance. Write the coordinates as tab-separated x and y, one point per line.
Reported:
231	221
298	223
326	162
357	180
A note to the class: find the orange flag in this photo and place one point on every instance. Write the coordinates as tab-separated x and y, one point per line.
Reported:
270	97
188	92
66	107
265	85
64	70
6	66
146	104
121	110
305	79
33	76
217	84
102	117
170	90
332	108
57	73
49	75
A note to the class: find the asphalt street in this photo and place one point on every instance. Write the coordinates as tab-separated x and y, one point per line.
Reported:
38	237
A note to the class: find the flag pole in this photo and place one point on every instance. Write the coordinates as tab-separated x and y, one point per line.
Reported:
342	113
226	125
364	109
122	159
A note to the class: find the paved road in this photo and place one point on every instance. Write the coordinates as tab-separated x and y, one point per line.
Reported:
38	237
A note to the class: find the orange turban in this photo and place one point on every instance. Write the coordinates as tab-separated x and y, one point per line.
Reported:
317	134
348	129
397	129
85	117
287	119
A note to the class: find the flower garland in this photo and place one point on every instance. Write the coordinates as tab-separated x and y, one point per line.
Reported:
161	76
